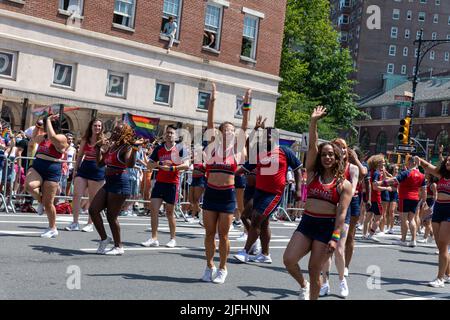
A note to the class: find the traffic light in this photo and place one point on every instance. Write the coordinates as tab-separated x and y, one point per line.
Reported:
403	135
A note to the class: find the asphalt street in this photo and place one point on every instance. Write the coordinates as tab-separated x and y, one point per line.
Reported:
35	268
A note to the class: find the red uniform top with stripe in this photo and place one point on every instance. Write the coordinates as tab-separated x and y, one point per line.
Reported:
47	148
348	177
443	186
272	167
227	165
375	195
325	192
172	157
410	182
112	159
90	153
199	171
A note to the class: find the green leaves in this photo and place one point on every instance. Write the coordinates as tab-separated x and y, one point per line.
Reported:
315	70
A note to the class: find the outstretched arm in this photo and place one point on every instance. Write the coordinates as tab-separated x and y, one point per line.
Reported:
318	113
428	167
212	102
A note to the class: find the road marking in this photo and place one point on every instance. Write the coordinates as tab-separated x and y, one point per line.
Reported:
11	232
433	297
165	248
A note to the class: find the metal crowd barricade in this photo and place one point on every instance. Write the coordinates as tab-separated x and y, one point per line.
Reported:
183	195
284	206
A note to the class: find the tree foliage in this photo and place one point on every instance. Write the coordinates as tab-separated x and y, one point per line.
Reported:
315	70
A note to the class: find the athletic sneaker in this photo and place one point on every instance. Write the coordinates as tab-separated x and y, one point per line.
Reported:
150	243
49	233
437	283
209	274
421	230
346	272
171	244
73	227
40	209
343	289
116	251
360	227
412	244
237	224
220	276
373	238
242	256
390	231
242	237
260	258
324	289
447	279
427	240
255	248
102	245
85	212
400	243
88	228
304	292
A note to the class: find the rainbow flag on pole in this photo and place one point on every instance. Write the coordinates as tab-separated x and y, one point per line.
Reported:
5	134
143	126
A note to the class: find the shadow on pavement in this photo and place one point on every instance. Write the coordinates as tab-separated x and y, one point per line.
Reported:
412	293
281	293
131	276
34	227
434	264
60	251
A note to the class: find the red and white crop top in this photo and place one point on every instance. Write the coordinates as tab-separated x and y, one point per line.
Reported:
90	153
47	148
326	192
112	160
443	186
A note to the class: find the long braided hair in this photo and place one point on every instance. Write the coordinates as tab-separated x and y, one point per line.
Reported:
127	135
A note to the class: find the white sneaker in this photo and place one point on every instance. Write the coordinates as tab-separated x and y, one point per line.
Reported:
346	272
102	245
304	292
242	256
242	237
73	227
343	289
260	258
116	251
150	243
220	276
390	231
171	244
373	238
324	289
360	227
437	283
209	274
447	279
381	233
422	240
421	230
412	244
50	233
400	243
40	209
255	248
84	212
88	228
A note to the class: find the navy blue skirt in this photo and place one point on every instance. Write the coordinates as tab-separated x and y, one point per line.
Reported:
48	170
90	171
118	184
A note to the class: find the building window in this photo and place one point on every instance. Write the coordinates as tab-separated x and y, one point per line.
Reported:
344	36
72	6
438	2
8	64
381	143
403	71
394	32
203	100
416	51
392	50
117	84
423	111
422	16
396	14
434	36
171	8
432	55
343	19
409	15
162	93
390	68
444	110
436	18
213	23
423	1
384	112
250	36
407	33
124	12
405	51
441	139
63	75
239	104
418	35
365	141
447	56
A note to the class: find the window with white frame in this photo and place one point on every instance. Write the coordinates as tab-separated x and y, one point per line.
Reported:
213	25
238	113
444	110
405	51
447	56
344	36
434	36
124	11
172	8
163	93
422	16
403	70
418	35
432	55
8	61
390	68
203	100
436	18
392	50
438	2
394	32
407	33
409	15
423	1
396	14
423	111
250	36
63	75
416	51
117	84
72	6
344	19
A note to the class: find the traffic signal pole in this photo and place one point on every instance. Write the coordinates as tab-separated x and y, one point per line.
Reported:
414	88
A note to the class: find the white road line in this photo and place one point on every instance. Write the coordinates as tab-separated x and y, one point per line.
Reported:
433	297
19	232
169	249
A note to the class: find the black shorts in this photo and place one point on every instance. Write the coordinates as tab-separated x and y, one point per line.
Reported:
266	203
320	229
385	196
441	212
354	209
249	192
118	184
166	191
406	205
239	182
376	208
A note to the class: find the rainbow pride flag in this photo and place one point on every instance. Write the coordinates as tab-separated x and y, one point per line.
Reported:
5	133
143	127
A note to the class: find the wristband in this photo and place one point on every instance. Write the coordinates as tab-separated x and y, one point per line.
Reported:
246	106
336	236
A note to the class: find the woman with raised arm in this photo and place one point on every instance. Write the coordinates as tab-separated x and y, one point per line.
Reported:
88	175
329	196
219	200
43	177
441	217
117	154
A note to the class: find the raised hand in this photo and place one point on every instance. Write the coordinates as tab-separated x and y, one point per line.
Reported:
214	91
318	113
248	96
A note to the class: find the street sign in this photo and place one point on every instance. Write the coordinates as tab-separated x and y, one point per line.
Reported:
404	104
402	98
406	148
